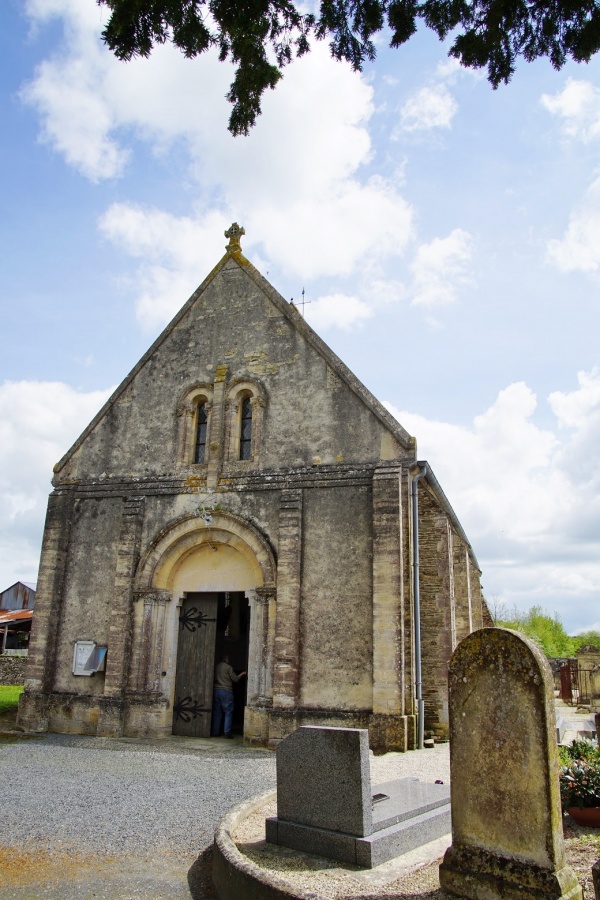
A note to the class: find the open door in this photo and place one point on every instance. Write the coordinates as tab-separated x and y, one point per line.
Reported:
233	633
192	708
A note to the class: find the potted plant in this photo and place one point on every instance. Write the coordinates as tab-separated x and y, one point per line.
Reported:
580	782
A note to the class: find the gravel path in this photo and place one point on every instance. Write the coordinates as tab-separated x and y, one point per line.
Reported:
95	818
89	817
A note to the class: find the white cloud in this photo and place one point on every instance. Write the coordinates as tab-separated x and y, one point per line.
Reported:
486	461
450	67
88	100
38	423
450	70
440	268
579	249
430	107
578	416
296	183
576	409
174	250
337	311
528	497
76	14
433	106
69	91
76	121
335	232
578	105
381	292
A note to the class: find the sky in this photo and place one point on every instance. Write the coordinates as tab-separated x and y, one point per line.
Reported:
446	235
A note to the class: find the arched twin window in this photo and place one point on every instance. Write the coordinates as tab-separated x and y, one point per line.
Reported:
224	428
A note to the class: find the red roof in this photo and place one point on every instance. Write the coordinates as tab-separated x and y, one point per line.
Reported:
15	615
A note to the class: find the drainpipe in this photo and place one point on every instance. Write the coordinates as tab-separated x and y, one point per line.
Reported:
417	608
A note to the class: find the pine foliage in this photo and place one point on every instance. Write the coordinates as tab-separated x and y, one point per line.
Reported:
262	36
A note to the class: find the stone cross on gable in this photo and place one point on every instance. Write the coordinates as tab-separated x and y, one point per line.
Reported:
234	234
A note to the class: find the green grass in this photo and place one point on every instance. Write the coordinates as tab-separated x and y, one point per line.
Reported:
9	697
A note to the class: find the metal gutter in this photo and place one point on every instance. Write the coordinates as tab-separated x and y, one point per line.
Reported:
417	606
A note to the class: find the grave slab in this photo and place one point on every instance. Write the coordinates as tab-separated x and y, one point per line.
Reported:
325	804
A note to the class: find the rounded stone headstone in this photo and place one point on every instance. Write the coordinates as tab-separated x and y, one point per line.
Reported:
507	836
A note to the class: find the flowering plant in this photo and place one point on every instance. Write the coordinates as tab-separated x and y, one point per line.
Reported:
580	777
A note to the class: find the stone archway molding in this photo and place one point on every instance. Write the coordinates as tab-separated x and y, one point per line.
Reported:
186	533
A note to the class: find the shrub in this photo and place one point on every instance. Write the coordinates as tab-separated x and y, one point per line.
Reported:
580	774
585	749
564	755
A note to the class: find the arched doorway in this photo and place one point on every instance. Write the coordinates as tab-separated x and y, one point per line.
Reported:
216	576
209	582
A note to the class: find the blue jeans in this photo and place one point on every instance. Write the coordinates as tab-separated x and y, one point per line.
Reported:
222	708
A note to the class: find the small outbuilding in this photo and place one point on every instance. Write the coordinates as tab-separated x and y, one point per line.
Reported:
20	595
16	613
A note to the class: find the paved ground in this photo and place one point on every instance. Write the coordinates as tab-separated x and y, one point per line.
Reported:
86	817
90	817
575	722
94	818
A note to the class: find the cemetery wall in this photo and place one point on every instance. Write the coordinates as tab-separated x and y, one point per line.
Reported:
12	669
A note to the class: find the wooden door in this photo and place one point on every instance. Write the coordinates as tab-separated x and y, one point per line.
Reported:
192	708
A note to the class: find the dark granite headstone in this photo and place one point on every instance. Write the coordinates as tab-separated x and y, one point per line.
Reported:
325	804
324	780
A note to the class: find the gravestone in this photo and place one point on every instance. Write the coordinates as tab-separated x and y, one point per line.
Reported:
324	779
326	806
507	839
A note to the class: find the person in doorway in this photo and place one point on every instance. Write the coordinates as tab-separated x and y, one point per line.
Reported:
225	678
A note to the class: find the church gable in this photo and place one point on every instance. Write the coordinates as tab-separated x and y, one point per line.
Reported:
243	490
236	348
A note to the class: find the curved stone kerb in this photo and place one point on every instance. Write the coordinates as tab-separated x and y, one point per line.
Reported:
234	875
182	535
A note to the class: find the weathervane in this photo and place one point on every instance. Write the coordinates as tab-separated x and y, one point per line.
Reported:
234	234
304	302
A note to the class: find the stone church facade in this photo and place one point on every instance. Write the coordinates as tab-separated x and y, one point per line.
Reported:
243	492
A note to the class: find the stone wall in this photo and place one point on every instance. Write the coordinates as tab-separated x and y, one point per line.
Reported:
452	604
588	658
436	599
12	669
